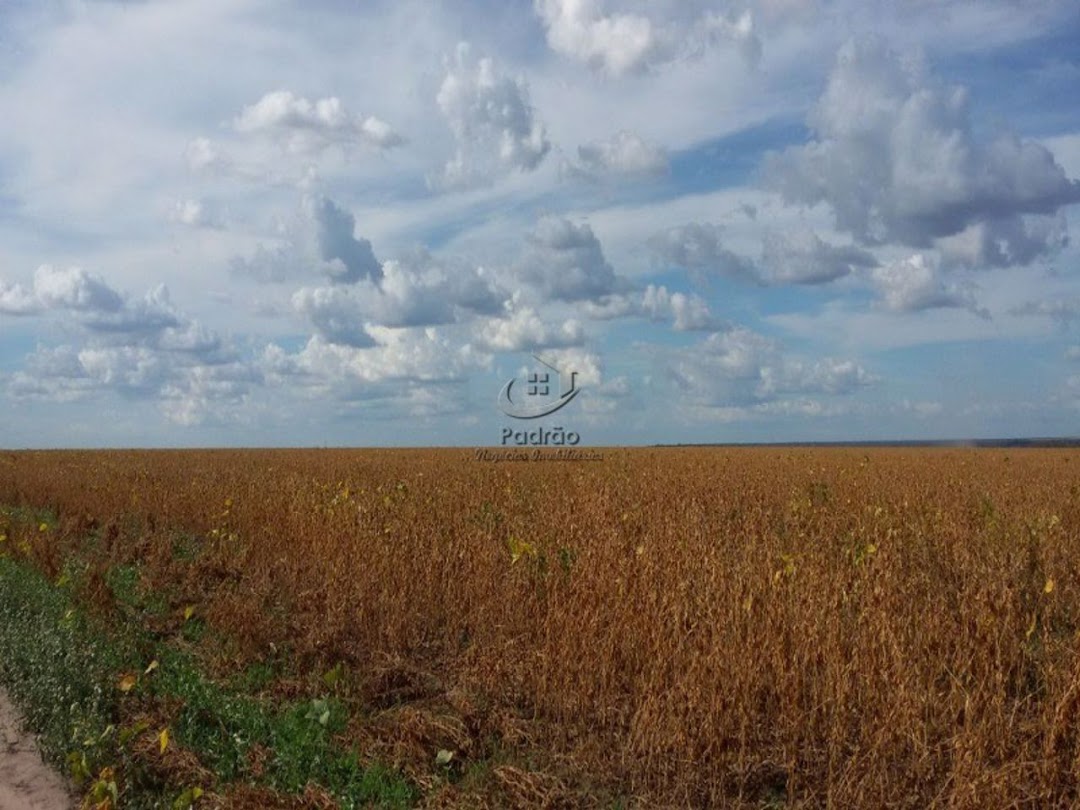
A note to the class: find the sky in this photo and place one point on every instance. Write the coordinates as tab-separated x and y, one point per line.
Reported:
268	223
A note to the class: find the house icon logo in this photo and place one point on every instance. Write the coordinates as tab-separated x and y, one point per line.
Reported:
544	390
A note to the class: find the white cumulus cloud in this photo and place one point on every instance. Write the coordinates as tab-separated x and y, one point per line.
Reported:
636	36
739	368
914	283
687	312
321	240
625	154
895	157
797	256
699	248
524	330
802	257
564	261
15	299
74	288
415	290
493	122
194	214
303	125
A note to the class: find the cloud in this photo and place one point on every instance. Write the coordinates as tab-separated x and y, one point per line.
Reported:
625	154
155	323
411	356
210	393
1072	390
187	392
587	364
895	158
609	402
1073	353
797	256
108	316
201	155
53	374
621	42
322	240
15	299
416	290
303	126
136	347
132	369
1003	242
645	99
1064	310
335	314
914	284
422	290
687	312
74	288
524	330
347	258
150	315
564	261
802	257
698	247
737	368
828	376
289	141
99	307
494	125
194	214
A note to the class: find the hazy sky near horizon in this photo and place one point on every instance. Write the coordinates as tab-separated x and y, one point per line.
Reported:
230	222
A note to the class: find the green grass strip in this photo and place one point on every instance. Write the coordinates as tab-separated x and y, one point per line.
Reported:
62	670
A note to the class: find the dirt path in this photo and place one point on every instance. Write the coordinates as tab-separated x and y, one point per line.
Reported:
26	783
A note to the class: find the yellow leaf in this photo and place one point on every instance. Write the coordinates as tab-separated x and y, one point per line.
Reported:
1049	586
127	734
519	549
189	611
187	799
332	676
444	756
153	665
163	740
127	683
44	527
77	764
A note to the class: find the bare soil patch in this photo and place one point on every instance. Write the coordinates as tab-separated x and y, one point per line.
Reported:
26	783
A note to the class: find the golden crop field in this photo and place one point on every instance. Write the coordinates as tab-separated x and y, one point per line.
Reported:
780	627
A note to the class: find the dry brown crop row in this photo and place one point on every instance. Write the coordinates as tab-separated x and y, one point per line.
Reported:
694	627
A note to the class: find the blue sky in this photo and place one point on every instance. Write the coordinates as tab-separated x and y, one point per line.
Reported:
229	222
